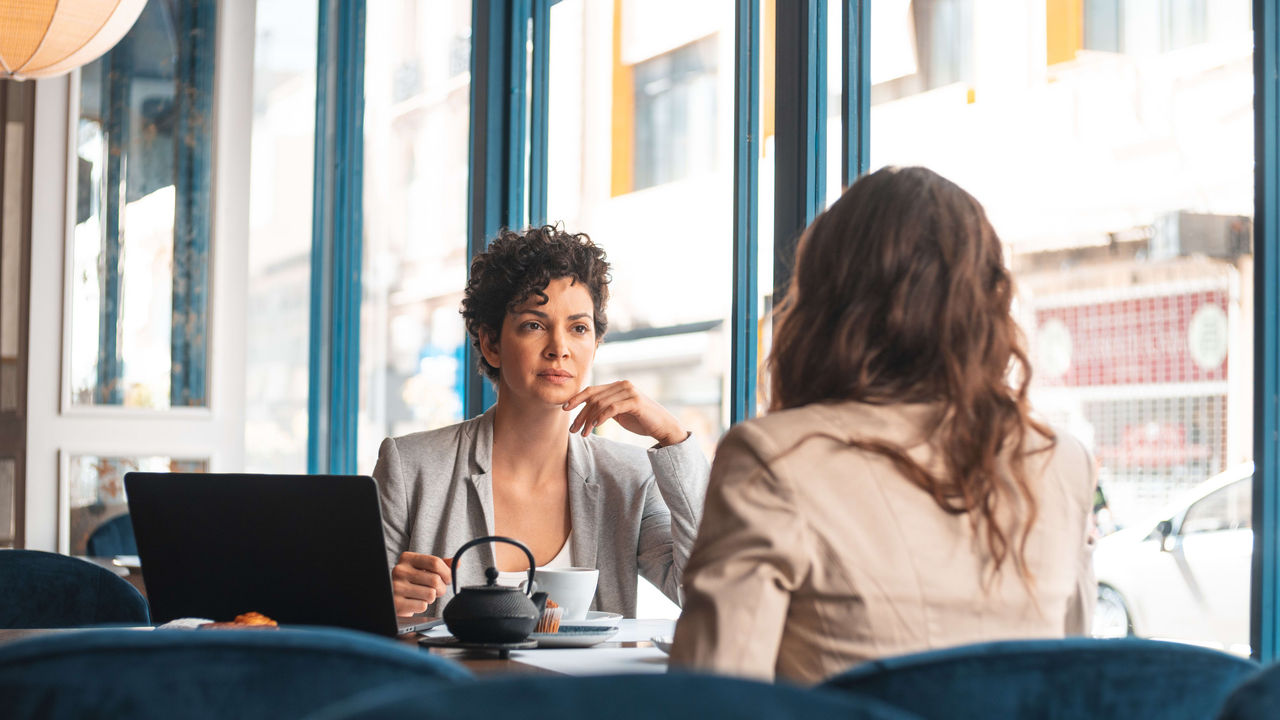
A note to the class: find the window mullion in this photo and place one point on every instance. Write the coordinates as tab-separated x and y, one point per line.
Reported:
856	100
799	189
1265	604
337	239
746	201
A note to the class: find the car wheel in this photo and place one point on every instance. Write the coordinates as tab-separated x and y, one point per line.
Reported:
1111	615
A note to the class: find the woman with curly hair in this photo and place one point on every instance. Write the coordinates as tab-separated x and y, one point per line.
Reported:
528	468
900	495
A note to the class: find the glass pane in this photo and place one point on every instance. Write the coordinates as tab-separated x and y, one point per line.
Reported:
8	494
417	99
140	250
1119	174
95	488
281	166
641	129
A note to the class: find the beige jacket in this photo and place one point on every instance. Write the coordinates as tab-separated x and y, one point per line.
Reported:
813	556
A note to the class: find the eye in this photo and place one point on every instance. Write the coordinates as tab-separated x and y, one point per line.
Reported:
581	329
531	325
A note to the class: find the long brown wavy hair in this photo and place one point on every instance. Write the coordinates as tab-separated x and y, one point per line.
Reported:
900	295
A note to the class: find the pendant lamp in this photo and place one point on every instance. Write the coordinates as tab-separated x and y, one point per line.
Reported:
43	38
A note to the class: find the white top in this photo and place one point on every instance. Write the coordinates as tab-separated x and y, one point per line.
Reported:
563	559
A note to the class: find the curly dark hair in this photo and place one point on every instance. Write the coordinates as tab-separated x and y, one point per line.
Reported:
517	266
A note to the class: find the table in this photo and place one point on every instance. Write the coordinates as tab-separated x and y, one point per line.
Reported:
630	651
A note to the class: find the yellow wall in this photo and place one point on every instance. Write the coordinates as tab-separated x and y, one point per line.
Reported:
624	114
1064	29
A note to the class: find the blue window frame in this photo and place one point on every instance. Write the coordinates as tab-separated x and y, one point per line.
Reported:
1265	602
507	188
336	239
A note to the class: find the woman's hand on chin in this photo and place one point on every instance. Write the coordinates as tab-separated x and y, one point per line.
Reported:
629	408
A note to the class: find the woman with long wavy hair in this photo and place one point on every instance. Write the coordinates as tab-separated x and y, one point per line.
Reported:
900	495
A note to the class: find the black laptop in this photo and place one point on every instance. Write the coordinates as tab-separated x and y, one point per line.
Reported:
301	549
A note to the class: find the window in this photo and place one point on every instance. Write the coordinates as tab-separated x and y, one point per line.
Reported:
417	95
1129	233
1126	26
1227	509
1210	514
140	248
1103	25
941	51
278	325
675	106
648	174
670	242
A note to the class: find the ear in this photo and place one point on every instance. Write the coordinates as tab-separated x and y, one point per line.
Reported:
489	347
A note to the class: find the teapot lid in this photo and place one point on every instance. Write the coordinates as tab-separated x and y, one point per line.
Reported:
491	583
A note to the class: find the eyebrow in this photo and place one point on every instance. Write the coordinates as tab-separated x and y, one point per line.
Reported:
539	313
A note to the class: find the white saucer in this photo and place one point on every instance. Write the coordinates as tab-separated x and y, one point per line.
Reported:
597	617
575	636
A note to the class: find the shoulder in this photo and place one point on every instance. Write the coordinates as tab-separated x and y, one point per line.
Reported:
433	442
783	431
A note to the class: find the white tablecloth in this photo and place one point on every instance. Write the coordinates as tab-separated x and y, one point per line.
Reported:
601	660
607	660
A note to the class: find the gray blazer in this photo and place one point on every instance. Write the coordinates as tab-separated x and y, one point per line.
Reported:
633	510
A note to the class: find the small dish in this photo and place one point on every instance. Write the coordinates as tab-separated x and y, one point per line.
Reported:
575	636
598	617
662	642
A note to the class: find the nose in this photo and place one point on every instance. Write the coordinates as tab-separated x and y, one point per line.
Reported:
557	347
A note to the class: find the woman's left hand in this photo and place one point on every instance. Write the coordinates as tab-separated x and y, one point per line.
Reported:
629	407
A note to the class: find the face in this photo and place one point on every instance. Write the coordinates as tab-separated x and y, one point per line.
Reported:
544	352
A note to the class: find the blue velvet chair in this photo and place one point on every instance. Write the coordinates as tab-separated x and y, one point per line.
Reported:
677	696
48	590
113	537
1070	678
244	674
1258	698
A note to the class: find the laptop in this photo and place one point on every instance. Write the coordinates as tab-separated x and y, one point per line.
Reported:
300	549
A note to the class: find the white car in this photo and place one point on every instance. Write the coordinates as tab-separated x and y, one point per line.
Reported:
1184	575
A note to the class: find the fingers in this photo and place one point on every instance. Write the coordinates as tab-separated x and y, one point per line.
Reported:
406	607
418	580
617	399
585	394
428	564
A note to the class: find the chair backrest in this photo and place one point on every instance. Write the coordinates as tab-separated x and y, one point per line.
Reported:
113	537
1258	698
47	590
1070	678
204	673
677	696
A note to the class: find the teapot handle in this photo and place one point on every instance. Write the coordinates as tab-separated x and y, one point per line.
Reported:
528	591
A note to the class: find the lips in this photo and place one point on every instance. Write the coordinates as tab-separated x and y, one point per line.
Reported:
556	376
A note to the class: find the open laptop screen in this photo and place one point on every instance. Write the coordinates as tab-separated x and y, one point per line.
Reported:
302	549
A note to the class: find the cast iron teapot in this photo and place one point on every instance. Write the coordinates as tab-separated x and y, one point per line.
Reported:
491	613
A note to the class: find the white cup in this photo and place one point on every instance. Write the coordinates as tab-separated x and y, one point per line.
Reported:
572	588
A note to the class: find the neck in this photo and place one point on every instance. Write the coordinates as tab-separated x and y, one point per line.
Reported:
530	444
